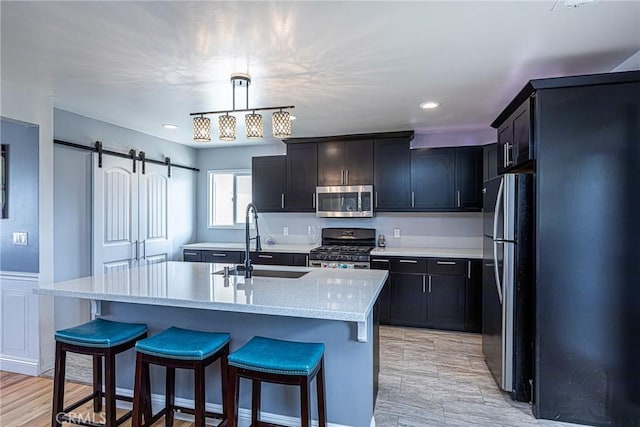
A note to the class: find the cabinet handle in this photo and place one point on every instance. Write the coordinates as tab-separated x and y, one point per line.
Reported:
218	254
446	262
314	200
458	198
379	260
265	256
429	284
413	199
191	253
136	257
376	203
423	290
468	269
346	181
282	200
409	261
342	177
504	155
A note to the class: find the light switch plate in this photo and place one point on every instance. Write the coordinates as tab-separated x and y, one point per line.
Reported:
20	238
396	232
285	231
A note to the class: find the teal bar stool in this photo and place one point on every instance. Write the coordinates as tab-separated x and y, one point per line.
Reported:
101	339
280	362
185	349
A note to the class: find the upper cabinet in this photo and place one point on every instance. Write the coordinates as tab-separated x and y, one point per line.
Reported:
469	166
302	174
515	140
345	162
392	177
433	178
268	179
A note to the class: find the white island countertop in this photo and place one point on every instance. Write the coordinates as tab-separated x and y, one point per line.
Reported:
331	294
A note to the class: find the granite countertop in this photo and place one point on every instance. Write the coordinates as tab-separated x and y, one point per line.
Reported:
388	251
322	293
231	246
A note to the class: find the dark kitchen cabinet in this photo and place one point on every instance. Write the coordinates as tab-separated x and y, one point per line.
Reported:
302	175
189	255
229	257
438	293
433	178
468	186
408	299
345	162
279	258
446	307
515	140
383	305
268	179
392	174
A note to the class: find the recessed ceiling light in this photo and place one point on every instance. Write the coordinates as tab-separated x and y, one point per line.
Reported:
169	126
292	117
429	104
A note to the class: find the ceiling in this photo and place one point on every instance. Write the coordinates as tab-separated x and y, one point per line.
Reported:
348	67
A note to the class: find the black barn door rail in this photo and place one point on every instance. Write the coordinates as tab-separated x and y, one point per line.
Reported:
141	157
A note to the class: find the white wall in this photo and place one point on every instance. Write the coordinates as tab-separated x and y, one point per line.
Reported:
73	189
460	230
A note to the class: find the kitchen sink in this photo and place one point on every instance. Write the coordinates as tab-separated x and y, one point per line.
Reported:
282	274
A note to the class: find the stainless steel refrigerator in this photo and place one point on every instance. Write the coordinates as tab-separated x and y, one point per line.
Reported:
507	282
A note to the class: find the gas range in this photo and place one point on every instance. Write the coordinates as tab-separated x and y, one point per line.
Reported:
343	248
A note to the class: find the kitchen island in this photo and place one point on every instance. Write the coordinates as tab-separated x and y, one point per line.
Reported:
323	305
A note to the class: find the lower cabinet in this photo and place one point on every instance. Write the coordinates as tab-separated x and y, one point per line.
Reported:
237	257
434	293
279	258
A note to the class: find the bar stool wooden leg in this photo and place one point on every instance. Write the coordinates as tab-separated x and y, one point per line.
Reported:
322	403
199	392
226	399
256	392
136	419
234	389
147	408
305	402
58	385
169	396
110	388
97	383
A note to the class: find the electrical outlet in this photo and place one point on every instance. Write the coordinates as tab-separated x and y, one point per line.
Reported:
20	238
285	231
396	232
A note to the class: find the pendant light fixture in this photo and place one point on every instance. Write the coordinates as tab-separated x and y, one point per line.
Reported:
281	120
201	129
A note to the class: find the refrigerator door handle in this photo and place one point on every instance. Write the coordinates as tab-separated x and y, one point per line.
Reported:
496	213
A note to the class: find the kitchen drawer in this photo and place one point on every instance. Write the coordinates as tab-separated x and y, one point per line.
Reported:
447	266
300	260
271	258
230	257
190	255
408	265
380	263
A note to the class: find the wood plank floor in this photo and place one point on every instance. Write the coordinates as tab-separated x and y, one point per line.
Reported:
427	378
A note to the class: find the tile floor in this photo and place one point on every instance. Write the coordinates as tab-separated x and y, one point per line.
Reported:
434	378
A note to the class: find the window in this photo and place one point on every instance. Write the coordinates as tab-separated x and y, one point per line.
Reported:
229	194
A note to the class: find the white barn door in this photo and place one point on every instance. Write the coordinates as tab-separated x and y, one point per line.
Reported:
153	213
130	215
115	215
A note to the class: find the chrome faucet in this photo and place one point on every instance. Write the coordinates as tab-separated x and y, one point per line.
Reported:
248	268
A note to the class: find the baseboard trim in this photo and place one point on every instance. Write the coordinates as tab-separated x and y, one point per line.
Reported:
19	366
244	415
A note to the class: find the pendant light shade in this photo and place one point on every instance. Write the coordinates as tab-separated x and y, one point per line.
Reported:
281	123
201	129
227	127
253	123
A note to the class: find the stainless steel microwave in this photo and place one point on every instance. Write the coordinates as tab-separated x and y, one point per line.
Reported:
344	201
